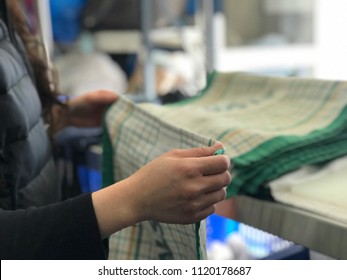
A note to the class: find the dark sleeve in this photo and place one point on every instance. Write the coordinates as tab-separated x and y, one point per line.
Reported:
66	230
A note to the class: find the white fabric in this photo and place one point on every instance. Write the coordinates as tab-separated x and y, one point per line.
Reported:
320	190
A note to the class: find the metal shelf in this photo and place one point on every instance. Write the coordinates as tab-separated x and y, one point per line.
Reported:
313	231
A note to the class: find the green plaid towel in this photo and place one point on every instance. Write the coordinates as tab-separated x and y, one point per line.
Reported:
269	126
135	137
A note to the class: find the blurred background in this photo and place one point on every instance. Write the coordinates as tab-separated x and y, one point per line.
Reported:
165	48
163	51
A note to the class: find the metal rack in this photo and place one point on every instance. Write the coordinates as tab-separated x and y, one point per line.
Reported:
130	41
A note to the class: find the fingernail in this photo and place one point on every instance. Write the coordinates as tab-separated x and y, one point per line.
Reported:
219	152
228	159
217	143
226	156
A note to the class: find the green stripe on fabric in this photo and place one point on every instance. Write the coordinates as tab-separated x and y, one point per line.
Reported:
107	158
197	238
250	177
138	243
286	143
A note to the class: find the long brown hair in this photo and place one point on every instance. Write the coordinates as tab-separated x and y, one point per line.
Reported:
44	74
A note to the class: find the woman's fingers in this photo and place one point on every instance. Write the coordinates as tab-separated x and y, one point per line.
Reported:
212	198
204	213
203	206
102	97
203	159
197	152
213	164
188	184
214	182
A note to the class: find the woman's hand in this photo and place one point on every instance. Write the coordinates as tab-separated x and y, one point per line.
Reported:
87	110
180	186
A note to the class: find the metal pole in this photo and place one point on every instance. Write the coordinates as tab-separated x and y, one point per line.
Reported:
149	71
208	25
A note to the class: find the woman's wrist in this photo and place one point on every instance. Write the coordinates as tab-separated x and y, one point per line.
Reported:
115	208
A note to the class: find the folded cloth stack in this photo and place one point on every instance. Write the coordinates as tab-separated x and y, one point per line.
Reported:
269	126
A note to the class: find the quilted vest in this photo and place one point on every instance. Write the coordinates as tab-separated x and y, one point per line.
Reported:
27	170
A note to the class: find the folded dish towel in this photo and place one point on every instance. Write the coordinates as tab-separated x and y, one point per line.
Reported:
269	125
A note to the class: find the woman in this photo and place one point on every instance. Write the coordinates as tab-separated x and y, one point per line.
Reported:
35	224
